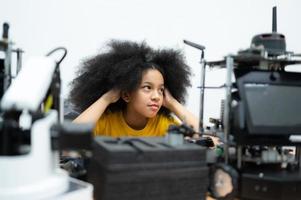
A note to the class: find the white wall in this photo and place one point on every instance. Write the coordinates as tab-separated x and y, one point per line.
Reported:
83	26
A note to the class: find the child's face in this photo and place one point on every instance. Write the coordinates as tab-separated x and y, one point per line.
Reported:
147	100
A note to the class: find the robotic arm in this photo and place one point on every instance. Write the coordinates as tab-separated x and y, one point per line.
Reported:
29	166
29	89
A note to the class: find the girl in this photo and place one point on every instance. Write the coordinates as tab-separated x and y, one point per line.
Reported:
131	90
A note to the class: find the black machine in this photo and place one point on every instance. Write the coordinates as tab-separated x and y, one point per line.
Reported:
260	124
147	168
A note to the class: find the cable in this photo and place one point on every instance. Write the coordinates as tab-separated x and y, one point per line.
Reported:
56	49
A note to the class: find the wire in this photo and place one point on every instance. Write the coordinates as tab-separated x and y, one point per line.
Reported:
57	49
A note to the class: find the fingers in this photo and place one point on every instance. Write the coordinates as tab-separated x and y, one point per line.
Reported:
115	95
166	92
112	95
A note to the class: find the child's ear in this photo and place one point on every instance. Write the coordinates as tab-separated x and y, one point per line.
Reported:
125	96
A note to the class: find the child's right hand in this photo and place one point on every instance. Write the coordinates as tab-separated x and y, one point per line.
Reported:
111	96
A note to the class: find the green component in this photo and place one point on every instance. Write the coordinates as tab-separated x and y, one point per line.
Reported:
219	151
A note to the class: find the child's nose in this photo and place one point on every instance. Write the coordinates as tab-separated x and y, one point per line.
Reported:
155	95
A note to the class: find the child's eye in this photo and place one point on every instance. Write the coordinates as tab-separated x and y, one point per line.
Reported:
146	87
162	91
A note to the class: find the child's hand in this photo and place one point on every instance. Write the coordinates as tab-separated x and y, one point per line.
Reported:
168	99
112	96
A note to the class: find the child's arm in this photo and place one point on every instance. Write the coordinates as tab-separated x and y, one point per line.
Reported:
94	112
180	111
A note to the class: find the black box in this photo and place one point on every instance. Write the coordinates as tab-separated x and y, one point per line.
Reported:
147	169
271	185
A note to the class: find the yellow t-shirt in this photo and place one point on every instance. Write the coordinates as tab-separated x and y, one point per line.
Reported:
114	125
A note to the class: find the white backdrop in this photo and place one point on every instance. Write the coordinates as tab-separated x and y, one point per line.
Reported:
83	26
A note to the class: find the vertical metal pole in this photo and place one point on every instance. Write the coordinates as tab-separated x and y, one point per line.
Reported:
239	156
229	68
298	156
58	94
7	67
202	94
19	60
7	60
274	18
61	108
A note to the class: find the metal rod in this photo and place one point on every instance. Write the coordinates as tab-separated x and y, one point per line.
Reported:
7	67
298	155
19	60
203	72
229	65
213	87
202	93
61	108
195	45
274	18
5	31
239	156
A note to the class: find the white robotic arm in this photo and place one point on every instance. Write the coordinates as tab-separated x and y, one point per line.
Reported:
33	173
29	88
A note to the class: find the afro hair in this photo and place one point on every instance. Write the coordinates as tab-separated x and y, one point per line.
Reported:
121	67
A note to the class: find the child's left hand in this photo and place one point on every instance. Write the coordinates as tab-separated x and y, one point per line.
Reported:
168	99
179	110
